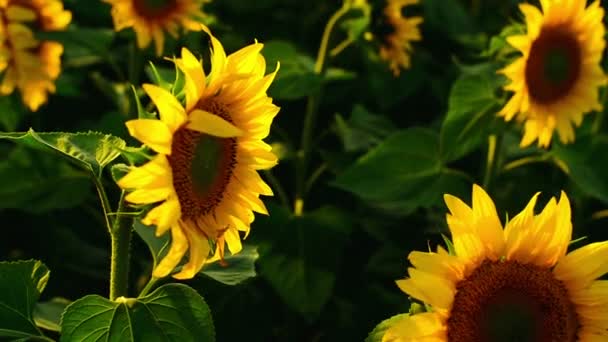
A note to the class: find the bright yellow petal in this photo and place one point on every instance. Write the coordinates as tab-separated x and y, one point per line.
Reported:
146	196
581	267
423	327
154	133
156	173
171	111
195	78
208	123
164	215
179	246
199	251
429	288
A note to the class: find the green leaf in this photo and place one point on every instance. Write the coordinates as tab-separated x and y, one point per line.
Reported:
471	111
236	269
35	182
11	114
378	332
586	168
92	150
403	157
296	78
363	129
302	255
47	315
158	245
173	312
357	20
83	46
21	284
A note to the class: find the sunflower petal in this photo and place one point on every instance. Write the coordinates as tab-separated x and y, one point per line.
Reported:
427	327
171	111
209	123
154	133
179	246
199	252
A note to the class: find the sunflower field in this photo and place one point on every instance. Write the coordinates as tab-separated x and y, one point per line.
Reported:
303	171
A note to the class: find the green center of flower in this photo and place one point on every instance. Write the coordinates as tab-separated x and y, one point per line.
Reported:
553	66
511	302
202	166
154	8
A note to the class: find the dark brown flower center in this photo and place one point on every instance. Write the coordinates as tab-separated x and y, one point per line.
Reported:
553	66
511	302
154	8
202	166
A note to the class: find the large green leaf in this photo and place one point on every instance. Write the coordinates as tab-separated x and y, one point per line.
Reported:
471	111
363	129
378	332
92	150
302	255
173	312
35	182
403	173
296	78
236	268
586	164
21	284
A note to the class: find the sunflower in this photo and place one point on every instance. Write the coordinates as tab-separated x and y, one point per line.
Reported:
396	34
151	18
30	65
516	284
209	147
556	79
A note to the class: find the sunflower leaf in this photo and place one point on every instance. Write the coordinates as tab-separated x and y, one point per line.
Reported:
238	267
471	108
91	150
21	284
173	312
378	332
47	315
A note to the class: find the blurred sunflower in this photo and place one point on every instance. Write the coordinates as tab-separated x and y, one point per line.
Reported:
556	80
396	34
513	285
28	64
151	18
209	149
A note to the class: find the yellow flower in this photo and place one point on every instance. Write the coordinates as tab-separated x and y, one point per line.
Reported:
151	18
28	64
556	80
209	149
397	34
516	284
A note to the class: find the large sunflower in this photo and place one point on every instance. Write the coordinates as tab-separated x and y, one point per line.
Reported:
209	148
151	18
513	285
396	34
30	65
556	80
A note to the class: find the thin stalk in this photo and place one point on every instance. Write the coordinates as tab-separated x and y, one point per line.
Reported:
494	143
105	203
121	244
149	286
311	112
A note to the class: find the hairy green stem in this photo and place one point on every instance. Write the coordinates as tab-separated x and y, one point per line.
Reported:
121	244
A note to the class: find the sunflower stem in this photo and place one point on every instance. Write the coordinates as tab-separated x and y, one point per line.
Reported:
105	203
121	244
494	143
312	105
149	286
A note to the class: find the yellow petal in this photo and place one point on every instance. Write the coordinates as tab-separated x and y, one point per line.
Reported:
442	265
429	288
155	173
199	251
423	327
164	215
179	246
581	267
195	77
146	196
488	225
233	240
19	13
208	123
171	111
154	133
218	59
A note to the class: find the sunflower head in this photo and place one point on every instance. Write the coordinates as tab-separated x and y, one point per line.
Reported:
556	80
151	19
30	65
203	183
395	34
516	284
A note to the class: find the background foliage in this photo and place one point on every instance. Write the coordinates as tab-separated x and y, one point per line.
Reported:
385	150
